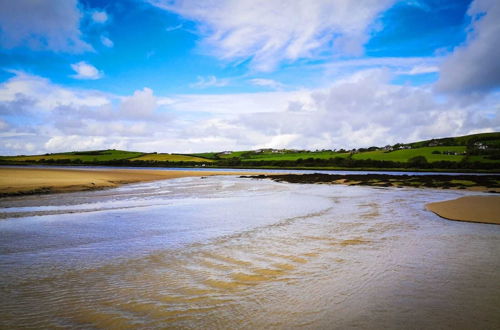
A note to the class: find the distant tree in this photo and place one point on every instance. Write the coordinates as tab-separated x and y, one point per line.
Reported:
418	162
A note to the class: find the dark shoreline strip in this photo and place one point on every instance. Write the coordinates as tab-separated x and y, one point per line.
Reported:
387	180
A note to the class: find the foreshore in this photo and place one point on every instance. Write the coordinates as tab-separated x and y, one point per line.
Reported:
29	181
483	209
486	209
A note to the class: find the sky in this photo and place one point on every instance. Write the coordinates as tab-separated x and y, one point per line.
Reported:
191	76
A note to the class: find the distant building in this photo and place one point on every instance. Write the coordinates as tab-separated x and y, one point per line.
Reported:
480	145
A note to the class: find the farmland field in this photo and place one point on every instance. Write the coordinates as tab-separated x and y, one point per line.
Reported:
295	156
171	158
405	154
90	156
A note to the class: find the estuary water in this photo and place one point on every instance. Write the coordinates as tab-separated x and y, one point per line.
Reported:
228	253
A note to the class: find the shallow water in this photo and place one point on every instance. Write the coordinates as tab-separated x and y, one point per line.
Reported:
226	252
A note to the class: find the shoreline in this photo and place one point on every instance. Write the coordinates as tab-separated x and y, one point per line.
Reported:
16	181
263	168
485	183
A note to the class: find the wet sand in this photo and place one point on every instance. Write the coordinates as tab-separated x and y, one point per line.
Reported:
28	181
484	209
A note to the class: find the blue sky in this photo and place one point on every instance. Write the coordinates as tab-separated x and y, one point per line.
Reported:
186	76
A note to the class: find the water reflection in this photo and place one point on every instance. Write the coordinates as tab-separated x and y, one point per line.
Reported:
236	253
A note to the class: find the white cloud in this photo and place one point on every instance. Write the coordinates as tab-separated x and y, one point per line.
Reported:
3	125
107	42
226	104
272	31
173	28
141	104
362	109
42	25
399	65
85	71
279	141
53	118
475	66
209	81
99	16
74	142
365	109
421	69
273	84
46	96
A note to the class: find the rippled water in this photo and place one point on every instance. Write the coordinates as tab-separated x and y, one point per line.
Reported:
226	252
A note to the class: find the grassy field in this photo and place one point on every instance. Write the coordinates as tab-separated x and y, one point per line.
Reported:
482	159
405	154
209	155
269	156
294	156
402	155
172	158
89	156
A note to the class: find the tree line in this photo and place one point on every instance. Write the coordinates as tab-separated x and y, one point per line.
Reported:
418	162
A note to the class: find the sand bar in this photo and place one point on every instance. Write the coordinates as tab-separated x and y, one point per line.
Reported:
20	181
485	209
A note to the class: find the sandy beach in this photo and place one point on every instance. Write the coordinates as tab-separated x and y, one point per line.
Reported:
484	209
20	181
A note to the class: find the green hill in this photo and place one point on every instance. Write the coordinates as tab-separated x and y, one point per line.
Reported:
471	152
75	156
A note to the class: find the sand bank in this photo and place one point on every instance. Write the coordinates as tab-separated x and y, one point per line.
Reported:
484	209
20	181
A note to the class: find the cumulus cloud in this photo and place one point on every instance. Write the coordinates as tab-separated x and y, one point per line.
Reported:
365	109
272	31
42	25
34	111
210	81
73	142
45	96
99	16
142	104
85	71
475	66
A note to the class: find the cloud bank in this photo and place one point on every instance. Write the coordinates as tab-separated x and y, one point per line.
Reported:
360	110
